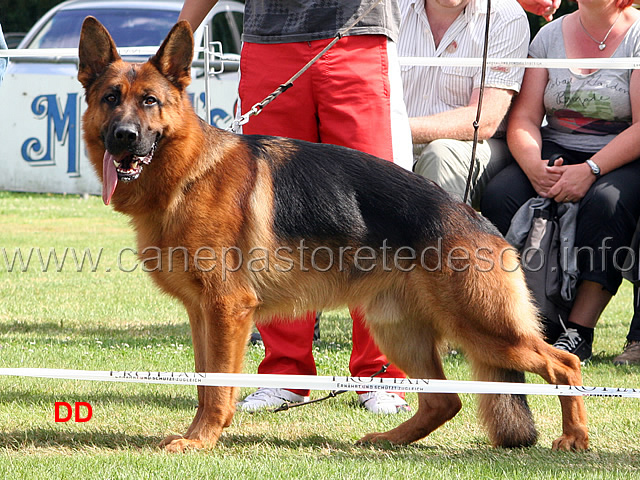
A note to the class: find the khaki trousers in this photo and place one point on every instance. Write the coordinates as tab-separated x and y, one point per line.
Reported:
446	162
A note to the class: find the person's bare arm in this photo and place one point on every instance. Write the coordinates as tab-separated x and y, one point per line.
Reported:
523	131
194	11
457	124
544	8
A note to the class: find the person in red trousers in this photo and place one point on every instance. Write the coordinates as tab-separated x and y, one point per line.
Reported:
352	96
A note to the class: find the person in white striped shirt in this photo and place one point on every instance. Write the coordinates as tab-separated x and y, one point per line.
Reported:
442	101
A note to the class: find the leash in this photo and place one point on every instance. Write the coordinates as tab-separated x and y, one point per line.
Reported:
258	107
476	123
256	110
332	394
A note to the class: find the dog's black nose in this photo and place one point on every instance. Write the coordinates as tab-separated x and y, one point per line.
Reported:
126	134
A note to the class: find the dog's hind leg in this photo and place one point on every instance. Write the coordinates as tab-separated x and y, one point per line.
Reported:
415	351
532	354
559	368
219	333
500	334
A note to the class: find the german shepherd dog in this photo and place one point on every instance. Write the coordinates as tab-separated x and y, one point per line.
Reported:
268	225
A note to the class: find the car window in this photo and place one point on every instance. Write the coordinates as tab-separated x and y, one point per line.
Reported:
129	28
226	27
221	32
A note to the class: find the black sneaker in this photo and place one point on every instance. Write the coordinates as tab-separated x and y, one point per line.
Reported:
571	341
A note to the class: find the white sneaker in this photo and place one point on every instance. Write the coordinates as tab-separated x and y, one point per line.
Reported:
269	397
383	402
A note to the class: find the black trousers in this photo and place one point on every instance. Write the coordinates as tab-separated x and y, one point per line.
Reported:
607	215
634	329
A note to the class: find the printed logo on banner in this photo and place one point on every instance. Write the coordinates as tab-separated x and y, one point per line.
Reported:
62	125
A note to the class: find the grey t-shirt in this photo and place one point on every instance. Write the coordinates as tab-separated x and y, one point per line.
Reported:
284	21
584	112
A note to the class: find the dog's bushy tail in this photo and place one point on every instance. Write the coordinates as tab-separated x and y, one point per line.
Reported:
508	419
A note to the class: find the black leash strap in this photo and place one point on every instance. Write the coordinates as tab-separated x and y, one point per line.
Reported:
332	394
476	123
258	107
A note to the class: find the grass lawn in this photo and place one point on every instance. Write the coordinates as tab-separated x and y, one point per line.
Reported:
105	318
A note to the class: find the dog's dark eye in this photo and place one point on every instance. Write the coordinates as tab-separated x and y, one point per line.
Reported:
111	98
150	101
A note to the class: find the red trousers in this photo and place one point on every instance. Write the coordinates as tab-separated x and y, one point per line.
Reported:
343	99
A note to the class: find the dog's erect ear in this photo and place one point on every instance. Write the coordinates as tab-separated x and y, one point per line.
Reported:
174	57
96	51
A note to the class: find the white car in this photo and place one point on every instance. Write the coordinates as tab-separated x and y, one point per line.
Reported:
40	142
132	23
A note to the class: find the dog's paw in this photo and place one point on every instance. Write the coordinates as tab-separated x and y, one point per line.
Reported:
379	439
179	444
575	443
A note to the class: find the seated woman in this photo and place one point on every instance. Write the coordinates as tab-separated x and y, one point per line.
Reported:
593	124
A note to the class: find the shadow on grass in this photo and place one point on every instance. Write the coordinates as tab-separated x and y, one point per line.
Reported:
480	455
54	438
232	441
22	396
71	335
135	337
481	458
50	438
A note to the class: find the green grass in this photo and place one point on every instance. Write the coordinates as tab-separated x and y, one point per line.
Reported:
109	319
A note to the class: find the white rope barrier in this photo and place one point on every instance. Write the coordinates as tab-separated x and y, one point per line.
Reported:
73	52
592	63
322	382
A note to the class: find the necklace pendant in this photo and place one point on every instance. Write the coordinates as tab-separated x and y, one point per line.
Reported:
602	46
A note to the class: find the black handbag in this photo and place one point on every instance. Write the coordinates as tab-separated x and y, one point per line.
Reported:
541	259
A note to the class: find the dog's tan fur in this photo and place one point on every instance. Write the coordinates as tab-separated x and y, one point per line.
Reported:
207	187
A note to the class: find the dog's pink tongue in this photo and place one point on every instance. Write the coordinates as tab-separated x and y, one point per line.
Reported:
109	178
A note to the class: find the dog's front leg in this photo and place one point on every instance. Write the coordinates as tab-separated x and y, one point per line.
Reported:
219	331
